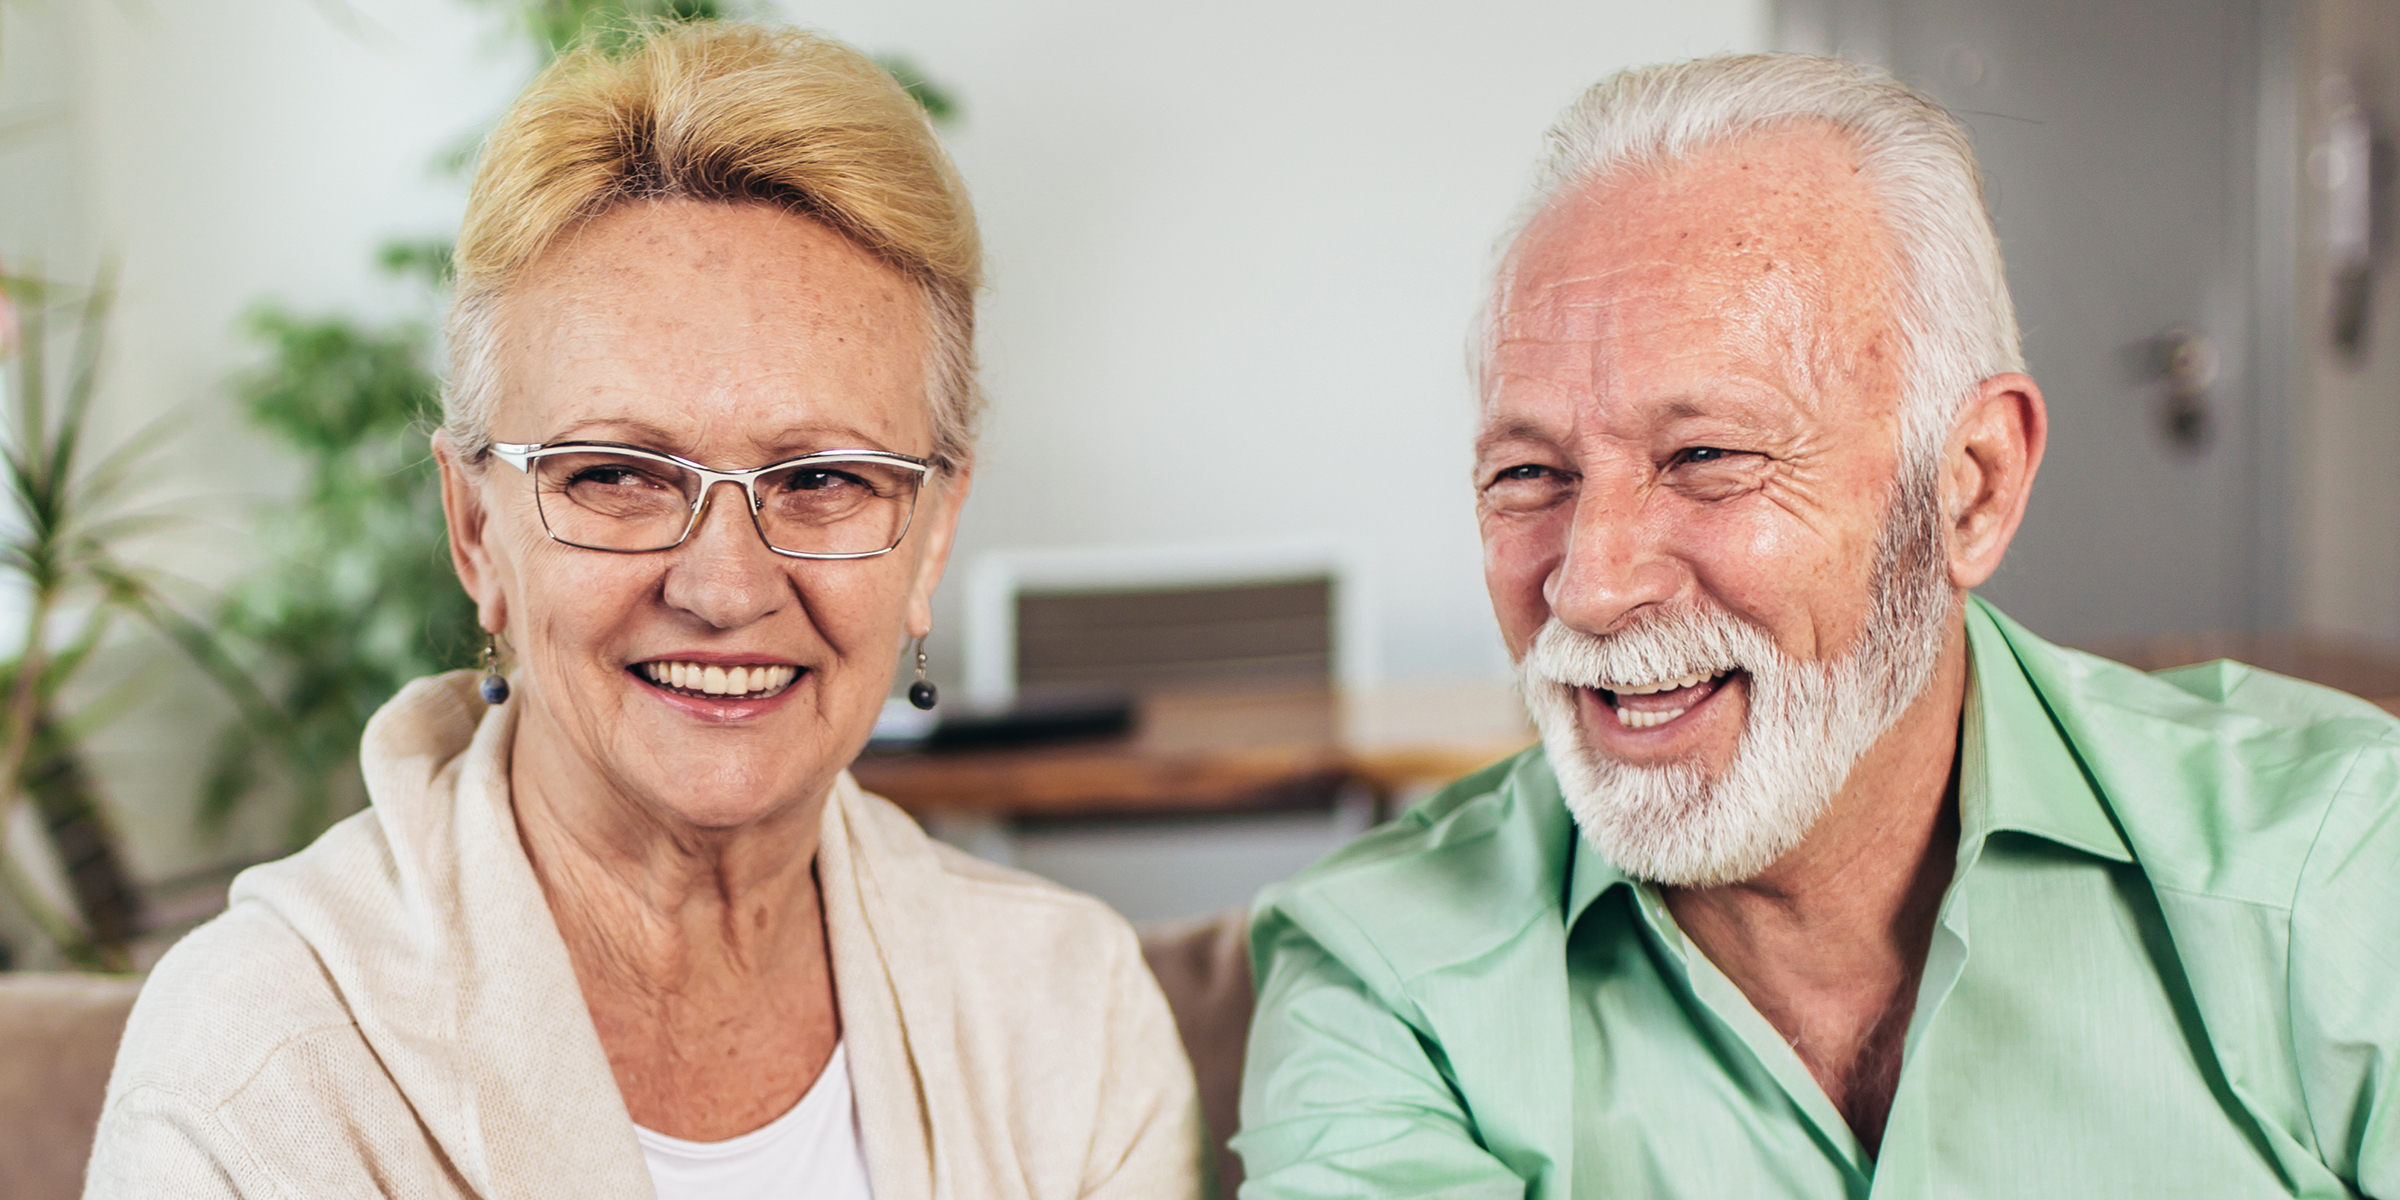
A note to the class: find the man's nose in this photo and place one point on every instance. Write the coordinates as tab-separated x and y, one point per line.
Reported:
726	575
1616	562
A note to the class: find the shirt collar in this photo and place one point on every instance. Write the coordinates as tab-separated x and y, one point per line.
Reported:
2017	771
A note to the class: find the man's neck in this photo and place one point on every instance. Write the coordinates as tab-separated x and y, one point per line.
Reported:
1830	942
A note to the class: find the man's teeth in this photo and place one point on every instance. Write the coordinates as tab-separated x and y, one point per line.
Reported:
1663	685
1644	720
765	679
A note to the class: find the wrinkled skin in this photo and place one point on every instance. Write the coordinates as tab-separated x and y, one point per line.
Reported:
1692	397
674	835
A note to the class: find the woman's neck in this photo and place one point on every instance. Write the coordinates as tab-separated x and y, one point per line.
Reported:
701	953
661	896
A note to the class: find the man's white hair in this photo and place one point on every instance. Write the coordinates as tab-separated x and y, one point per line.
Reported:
1951	293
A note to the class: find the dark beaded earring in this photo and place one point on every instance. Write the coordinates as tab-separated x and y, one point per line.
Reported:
921	692
495	685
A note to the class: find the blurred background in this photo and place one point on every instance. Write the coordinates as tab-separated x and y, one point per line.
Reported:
1217	602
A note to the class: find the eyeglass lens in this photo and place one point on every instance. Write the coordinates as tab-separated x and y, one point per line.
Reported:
607	501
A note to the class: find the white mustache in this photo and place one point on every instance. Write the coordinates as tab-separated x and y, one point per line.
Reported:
1668	645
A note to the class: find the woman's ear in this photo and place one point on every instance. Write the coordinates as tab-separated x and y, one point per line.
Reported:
940	526
469	521
1988	468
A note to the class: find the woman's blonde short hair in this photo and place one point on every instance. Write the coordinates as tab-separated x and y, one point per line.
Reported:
728	113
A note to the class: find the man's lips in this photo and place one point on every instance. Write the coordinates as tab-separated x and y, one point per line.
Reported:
1654	705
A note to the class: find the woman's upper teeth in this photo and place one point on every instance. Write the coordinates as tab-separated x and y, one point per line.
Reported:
1661	685
718	680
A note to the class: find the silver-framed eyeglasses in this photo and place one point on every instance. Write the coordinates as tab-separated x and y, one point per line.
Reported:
629	500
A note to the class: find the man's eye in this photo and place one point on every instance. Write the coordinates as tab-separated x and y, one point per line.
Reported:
1525	487
1702	454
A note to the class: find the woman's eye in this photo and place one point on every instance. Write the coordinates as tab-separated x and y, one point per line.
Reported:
607	477
817	481
1703	454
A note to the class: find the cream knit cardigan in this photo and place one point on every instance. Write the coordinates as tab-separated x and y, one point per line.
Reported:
391	1012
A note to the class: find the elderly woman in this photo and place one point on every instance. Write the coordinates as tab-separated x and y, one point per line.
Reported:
620	924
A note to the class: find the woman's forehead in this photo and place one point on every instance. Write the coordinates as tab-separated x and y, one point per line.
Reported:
738	446
725	327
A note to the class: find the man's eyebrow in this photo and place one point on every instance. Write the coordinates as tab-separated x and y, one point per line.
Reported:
1514	431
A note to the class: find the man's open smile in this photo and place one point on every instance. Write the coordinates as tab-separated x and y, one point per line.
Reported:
1662	720
1645	705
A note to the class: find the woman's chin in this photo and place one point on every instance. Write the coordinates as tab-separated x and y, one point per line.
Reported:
722	813
721	796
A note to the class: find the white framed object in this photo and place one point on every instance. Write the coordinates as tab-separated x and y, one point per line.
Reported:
998	577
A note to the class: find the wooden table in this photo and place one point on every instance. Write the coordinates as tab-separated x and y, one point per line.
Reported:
1258	750
1221	751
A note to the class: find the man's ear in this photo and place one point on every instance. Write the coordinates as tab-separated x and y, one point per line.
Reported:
469	521
1987	472
940	526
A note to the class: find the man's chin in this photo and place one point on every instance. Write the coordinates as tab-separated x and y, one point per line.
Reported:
1677	826
1682	803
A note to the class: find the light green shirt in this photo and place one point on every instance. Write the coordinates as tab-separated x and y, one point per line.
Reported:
2168	965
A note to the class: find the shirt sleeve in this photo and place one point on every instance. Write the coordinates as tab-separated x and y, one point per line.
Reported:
1148	1141
154	1144
2345	978
1341	1097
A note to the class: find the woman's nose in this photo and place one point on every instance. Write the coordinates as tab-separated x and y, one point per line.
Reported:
724	574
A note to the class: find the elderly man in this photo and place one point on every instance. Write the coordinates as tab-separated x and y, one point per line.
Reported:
1876	893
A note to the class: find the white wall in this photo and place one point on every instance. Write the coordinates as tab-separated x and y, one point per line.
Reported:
1234	248
224	154
1234	251
2348	514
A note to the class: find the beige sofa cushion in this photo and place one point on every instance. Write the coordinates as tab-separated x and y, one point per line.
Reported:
58	1038
1203	966
59	1033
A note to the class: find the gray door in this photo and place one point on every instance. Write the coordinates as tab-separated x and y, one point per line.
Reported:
2119	141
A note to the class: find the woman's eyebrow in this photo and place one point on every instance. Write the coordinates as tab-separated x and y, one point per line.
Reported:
631	430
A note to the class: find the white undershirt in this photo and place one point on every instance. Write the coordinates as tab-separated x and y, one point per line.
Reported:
811	1151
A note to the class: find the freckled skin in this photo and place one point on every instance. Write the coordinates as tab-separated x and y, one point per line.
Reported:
677	849
1733	304
733	336
1692	396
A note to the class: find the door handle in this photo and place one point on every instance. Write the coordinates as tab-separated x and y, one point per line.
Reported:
2183	363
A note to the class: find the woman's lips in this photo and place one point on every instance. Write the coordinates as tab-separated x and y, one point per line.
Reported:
718	708
718	681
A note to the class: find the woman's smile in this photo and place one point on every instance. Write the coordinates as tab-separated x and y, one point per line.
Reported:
691	677
720	687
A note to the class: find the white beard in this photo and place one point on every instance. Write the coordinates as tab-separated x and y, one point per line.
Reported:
1809	721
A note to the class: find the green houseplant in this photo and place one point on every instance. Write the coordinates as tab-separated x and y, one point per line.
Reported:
72	513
